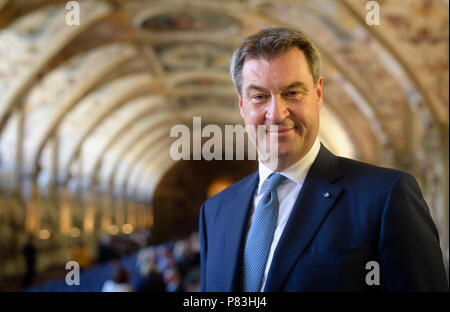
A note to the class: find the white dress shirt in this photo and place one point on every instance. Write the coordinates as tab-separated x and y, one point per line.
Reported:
287	195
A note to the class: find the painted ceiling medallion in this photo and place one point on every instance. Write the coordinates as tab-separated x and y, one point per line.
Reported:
192	20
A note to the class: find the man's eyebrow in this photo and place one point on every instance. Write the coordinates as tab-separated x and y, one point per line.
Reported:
296	84
257	88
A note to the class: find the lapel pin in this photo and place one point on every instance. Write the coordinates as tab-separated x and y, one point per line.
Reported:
326	195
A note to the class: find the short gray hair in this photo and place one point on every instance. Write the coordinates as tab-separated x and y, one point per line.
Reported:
269	43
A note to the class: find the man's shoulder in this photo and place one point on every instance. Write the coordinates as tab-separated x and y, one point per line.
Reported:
366	182
353	171
361	171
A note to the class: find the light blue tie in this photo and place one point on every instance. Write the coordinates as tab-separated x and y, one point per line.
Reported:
260	236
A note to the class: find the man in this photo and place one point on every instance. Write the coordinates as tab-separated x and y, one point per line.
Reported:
29	252
314	221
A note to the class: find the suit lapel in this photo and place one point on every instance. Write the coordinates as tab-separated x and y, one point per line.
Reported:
309	212
238	212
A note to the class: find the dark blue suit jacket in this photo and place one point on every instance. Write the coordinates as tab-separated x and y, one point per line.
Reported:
372	214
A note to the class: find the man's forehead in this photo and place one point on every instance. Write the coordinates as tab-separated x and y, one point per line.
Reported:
293	54
282	70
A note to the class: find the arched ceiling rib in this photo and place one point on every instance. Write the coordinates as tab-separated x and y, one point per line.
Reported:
107	168
121	174
412	36
32	42
118	94
3	3
55	97
12	10
158	151
116	126
145	191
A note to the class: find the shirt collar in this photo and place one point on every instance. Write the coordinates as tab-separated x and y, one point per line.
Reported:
295	173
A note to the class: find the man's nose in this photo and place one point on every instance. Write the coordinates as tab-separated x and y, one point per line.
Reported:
277	109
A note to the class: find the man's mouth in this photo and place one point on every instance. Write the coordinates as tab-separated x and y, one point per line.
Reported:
281	131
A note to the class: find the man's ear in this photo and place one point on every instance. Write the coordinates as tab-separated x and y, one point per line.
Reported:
240	105
319	92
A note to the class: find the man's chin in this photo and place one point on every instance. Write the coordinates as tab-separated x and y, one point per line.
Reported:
273	159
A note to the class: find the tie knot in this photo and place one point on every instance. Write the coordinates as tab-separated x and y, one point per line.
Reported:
275	181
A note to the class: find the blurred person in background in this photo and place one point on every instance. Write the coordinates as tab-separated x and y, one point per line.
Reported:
144	256
29	252
173	281
150	279
120	281
192	280
164	259
104	251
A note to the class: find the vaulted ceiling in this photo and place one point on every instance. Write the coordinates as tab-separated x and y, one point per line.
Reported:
93	104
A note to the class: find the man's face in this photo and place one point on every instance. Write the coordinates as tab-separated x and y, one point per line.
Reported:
281	92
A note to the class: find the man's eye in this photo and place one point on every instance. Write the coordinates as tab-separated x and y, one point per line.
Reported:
259	97
292	93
